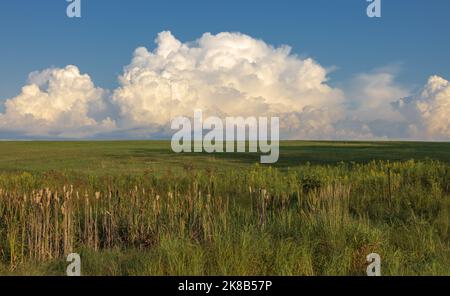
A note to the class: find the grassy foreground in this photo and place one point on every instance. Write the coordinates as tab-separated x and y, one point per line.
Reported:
135	208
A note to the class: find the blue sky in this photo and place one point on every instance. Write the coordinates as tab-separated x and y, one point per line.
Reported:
411	38
37	34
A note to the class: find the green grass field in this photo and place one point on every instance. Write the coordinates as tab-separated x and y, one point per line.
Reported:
136	208
137	157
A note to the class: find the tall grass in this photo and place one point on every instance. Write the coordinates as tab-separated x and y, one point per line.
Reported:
314	220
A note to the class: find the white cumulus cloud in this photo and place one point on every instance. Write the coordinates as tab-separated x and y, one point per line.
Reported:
428	112
370	95
224	74
56	103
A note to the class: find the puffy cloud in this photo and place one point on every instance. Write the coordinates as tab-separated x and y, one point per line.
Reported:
227	74
370	95
369	113
428	112
56	103
366	112
223	74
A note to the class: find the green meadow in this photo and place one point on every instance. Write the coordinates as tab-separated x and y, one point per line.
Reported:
137	157
136	208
